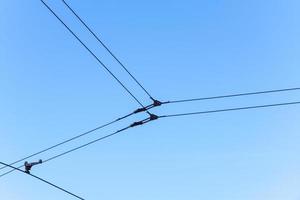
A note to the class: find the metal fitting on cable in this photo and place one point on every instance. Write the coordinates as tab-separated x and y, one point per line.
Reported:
140	110
156	103
28	165
153	117
137	124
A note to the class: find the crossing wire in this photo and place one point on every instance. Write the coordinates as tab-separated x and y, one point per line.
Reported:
76	137
147	120
43	180
164	116
93	54
167	116
59	144
105	46
72	150
141	110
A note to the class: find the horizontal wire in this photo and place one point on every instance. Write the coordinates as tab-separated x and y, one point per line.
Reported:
230	109
91	52
105	46
43	180
234	95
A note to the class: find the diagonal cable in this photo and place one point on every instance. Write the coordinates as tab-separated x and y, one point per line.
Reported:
154	117
85	145
139	123
91	52
105	46
145	109
148	108
69	151
59	144
43	180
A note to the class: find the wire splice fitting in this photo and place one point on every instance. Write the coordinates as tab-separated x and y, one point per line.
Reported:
153	117
136	124
145	109
150	118
156	103
140	110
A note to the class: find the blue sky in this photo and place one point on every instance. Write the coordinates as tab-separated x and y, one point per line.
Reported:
52	89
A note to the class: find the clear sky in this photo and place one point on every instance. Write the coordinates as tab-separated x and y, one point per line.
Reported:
52	89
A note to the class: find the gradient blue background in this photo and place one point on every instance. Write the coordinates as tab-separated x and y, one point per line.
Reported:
52	89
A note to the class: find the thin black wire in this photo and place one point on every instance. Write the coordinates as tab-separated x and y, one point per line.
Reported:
230	109
91	52
43	180
234	95
87	144
175	115
199	99
72	150
105	46
167	116
10	171
73	138
180	101
61	143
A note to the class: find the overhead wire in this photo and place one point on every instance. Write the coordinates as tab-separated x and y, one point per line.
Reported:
156	103
230	109
142	109
92	53
69	151
59	144
234	95
43	180
106	47
85	145
151	118
80	135
154	117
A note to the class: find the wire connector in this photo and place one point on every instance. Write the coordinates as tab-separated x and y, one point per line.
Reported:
153	117
137	124
28	165
140	110
156	103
